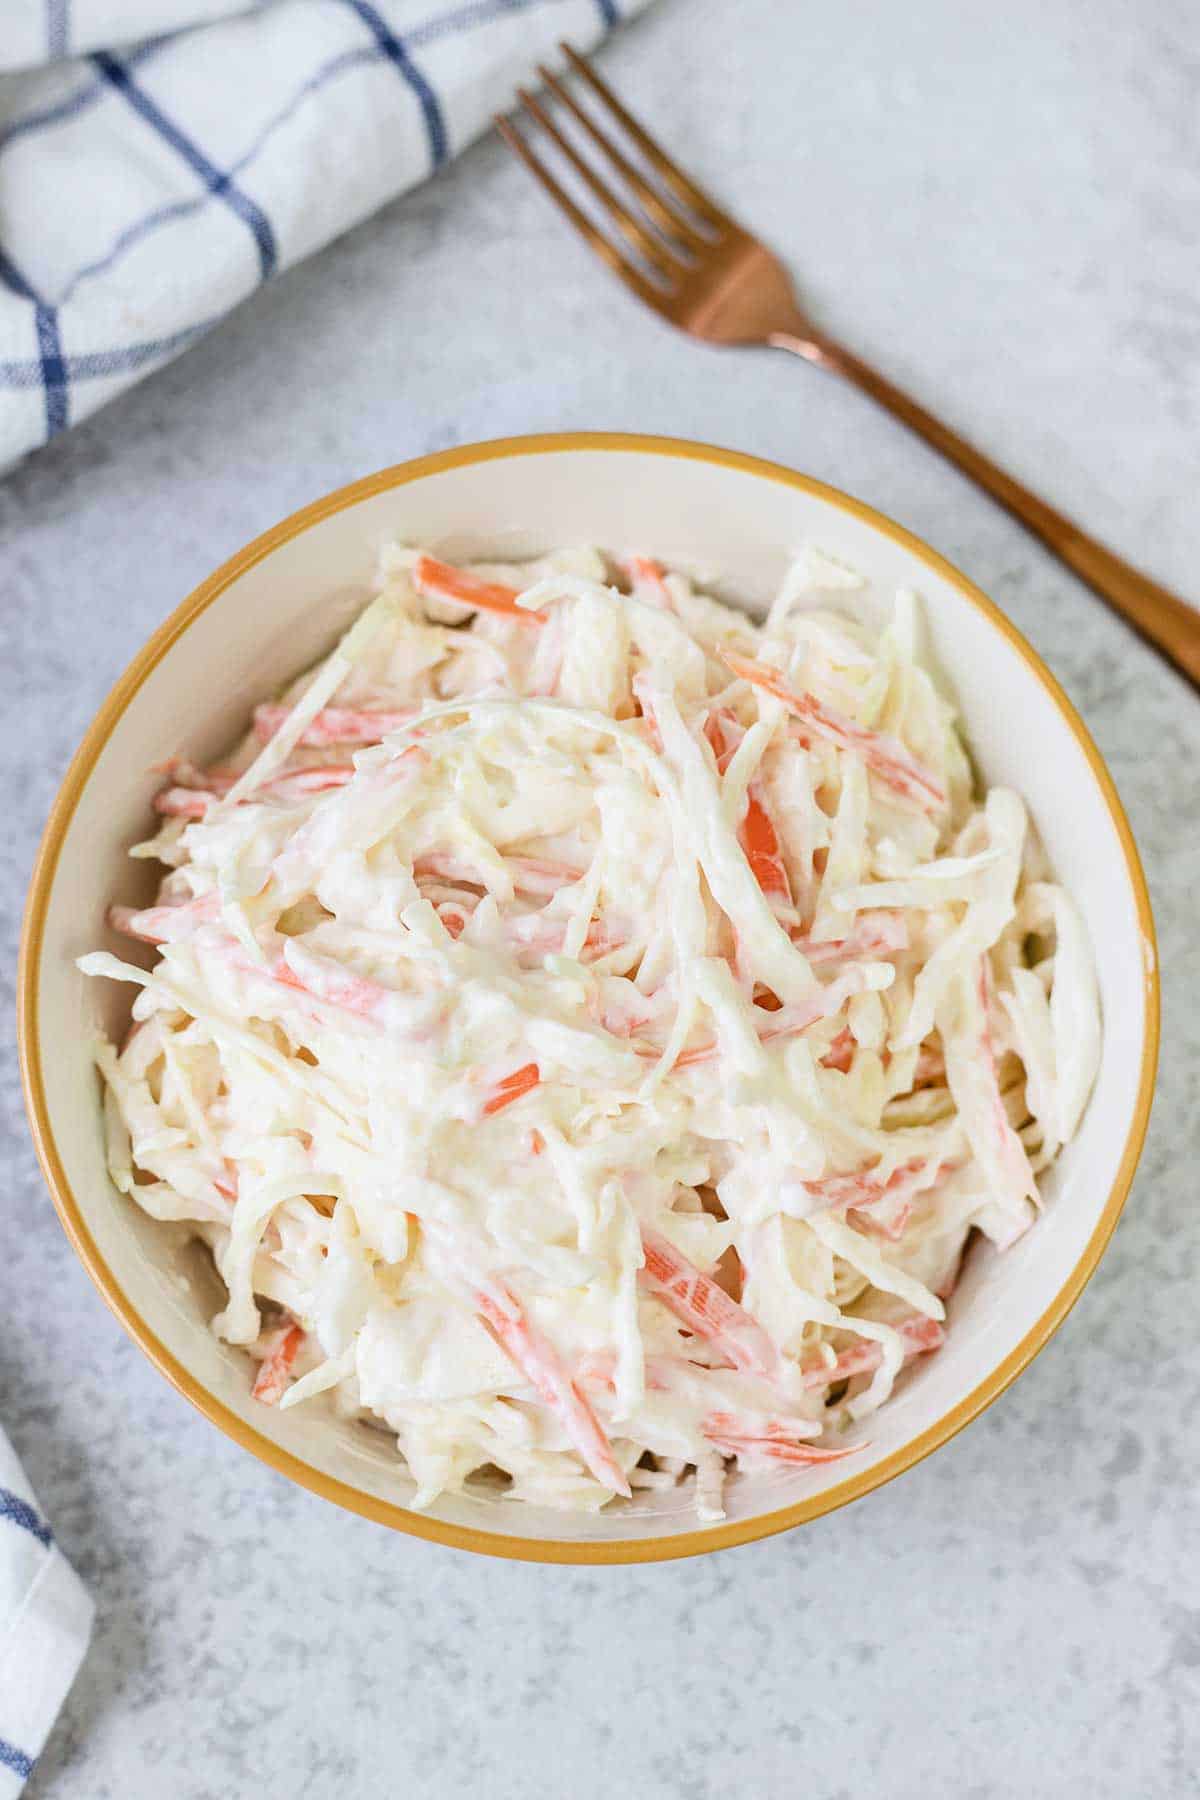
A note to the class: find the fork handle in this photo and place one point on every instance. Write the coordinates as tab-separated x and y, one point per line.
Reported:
1161	617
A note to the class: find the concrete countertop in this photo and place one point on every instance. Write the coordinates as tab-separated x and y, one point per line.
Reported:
1002	208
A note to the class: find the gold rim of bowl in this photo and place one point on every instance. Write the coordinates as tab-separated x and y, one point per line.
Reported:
385	1512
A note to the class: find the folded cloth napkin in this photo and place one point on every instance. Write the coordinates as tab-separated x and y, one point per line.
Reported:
149	186
45	1623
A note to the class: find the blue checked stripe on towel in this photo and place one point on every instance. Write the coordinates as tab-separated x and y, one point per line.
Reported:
45	1621
146	187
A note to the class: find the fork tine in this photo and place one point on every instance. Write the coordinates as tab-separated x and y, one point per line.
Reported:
681	185
655	253
604	248
670	223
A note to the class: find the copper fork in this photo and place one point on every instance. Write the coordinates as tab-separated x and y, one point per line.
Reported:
685	257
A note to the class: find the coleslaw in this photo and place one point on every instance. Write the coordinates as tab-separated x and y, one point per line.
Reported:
588	1025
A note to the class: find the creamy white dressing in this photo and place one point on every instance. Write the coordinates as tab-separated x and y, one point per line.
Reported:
574	1060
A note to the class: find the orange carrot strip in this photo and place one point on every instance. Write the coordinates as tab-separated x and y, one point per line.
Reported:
786	1021
862	1187
163	924
873	934
538	1361
756	834
183	803
227	1184
513	1086
335	724
327	980
274	1372
781	1440
648	578
530	874
891	1227
919	1336
760	843
454	916
296	783
776	1448
719	729
291	784
865	1190
444	582
884	756
535	935
704	1308
840	1053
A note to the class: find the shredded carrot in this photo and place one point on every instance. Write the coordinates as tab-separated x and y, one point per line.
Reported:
542	1367
886	757
875	934
288	785
326	979
163	924
274	1372
760	841
183	803
649	581
918	1335
756	833
840	1053
704	1307
444	582
335	724
733	1437
511	1088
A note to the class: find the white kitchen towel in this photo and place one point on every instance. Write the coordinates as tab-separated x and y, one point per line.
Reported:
45	1623
149	186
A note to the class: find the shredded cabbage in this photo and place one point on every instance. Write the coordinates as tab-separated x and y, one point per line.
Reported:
588	1027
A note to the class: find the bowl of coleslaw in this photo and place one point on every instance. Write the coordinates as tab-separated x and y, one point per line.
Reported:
633	1012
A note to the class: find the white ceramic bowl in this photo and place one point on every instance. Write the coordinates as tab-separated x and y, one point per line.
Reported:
278	604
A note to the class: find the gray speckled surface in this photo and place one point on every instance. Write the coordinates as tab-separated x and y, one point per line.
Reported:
1001	207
